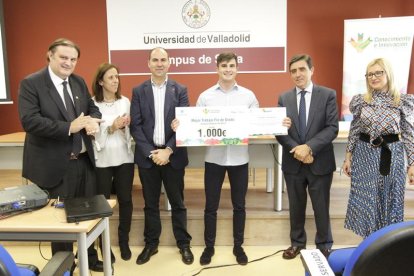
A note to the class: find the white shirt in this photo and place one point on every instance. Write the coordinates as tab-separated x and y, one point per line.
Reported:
114	149
58	82
230	155
159	100
308	96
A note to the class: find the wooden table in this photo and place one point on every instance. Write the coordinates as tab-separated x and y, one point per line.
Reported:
49	224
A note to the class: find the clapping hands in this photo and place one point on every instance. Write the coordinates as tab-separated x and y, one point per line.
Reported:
91	125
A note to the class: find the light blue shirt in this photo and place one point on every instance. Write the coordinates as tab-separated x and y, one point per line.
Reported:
308	96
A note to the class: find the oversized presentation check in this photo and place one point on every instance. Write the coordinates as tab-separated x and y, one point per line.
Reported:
212	126
226	125
267	121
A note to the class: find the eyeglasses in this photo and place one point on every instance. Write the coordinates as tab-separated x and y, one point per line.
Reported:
377	74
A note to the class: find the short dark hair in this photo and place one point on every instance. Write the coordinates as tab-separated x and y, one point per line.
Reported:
97	89
226	57
299	57
62	42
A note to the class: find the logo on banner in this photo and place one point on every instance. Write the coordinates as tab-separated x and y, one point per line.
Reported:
196	14
360	44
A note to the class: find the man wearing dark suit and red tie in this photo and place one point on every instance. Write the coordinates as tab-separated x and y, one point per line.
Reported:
159	160
308	160
57	113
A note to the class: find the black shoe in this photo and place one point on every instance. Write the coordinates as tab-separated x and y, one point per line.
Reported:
186	255
146	254
241	257
205	258
97	266
113	259
125	251
72	269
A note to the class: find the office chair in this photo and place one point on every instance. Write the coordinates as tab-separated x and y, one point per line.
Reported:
59	265
388	251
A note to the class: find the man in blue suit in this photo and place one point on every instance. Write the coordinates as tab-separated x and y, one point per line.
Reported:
308	160
159	160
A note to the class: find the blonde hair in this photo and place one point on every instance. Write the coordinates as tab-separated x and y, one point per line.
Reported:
392	89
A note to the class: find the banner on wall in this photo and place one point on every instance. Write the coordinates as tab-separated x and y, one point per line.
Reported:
367	39
195	31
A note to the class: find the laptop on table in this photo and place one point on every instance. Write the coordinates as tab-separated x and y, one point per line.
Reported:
87	208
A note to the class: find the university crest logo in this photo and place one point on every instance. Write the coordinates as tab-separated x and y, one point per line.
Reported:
196	13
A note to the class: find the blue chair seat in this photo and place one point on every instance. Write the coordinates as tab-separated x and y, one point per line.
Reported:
388	251
59	265
338	258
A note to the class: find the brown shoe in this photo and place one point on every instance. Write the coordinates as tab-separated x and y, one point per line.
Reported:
326	252
292	252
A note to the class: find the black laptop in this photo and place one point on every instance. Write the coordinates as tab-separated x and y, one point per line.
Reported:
87	208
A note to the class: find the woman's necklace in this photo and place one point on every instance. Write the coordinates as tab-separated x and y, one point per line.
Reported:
109	103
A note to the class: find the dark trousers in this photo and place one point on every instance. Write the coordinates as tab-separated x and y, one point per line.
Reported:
213	182
78	181
173	181
319	187
122	178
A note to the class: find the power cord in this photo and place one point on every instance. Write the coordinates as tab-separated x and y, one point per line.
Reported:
275	157
41	253
227	265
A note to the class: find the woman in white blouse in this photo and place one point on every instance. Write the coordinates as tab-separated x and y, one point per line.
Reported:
114	158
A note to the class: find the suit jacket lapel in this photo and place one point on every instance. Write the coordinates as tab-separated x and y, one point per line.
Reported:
149	94
76	91
169	99
292	103
313	106
54	94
